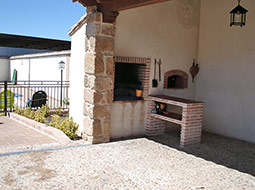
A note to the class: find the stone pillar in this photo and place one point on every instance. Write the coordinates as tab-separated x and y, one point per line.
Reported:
99	78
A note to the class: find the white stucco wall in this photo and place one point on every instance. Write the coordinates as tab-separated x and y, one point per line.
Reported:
165	30
4	69
128	119
226	79
77	76
42	66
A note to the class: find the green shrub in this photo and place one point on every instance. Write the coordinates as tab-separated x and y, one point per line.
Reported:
67	125
66	101
55	120
29	113
45	110
58	111
19	111
32	115
16	109
39	116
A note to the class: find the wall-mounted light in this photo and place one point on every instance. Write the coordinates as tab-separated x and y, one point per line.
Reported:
238	15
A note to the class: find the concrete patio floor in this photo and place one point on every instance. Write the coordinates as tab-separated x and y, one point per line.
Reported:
15	134
155	163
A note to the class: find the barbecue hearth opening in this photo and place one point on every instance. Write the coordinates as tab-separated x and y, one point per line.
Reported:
129	78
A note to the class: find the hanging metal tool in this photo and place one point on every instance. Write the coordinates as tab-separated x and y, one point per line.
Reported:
154	81
159	70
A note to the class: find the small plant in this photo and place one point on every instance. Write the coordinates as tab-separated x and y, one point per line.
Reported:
32	115
19	111
58	111
67	125
28	113
39	116
66	101
45	110
55	120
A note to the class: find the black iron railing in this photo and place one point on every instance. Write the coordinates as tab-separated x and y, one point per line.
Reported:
20	93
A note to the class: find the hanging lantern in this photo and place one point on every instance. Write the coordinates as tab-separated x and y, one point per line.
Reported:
238	15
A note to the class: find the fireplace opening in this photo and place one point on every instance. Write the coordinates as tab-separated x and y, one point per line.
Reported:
175	81
128	78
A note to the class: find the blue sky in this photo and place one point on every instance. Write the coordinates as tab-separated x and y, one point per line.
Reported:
39	18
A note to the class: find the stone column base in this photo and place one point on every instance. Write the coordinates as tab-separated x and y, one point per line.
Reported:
95	139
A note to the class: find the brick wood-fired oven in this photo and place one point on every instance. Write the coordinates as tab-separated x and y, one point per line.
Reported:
175	79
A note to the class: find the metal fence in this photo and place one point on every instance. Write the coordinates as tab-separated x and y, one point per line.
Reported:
20	93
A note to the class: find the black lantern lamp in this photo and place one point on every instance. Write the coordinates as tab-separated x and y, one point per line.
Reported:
238	15
61	66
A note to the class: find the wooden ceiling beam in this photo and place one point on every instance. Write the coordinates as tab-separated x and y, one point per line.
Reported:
87	3
119	5
110	8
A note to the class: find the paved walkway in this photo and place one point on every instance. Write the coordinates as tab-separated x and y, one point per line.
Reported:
15	134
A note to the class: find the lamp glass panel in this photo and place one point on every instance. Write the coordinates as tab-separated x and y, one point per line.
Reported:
238	18
61	65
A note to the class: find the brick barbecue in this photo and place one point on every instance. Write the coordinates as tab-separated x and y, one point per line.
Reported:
190	119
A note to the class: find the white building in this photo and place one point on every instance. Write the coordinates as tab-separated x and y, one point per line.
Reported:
40	66
14	45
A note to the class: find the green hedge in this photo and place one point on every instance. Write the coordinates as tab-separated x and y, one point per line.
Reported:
67	125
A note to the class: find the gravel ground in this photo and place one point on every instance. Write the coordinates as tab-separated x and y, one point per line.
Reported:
131	164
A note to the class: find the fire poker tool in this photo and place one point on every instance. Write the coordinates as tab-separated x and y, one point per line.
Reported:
159	70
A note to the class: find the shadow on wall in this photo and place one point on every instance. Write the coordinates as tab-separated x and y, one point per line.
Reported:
232	153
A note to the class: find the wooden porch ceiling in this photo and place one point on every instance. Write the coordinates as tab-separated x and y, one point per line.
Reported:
110	8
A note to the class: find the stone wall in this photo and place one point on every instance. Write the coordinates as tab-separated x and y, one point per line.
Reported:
98	80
